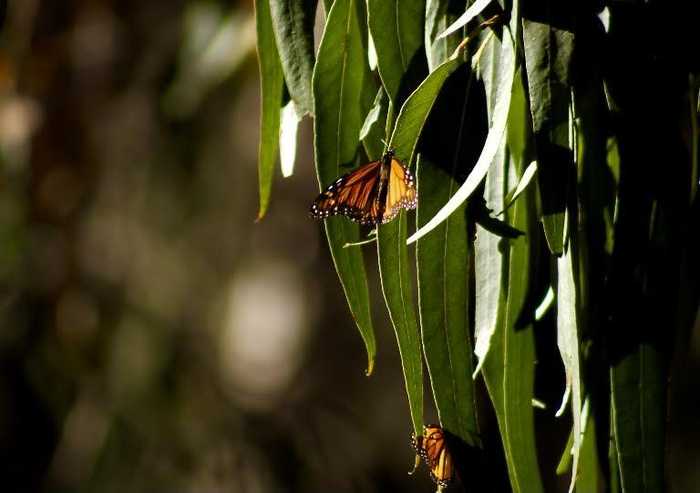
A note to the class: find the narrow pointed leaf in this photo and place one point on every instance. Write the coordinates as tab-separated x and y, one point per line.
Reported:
493	141
398	294
397	31
271	93
338	81
568	340
416	109
473	10
438	15
443	260
293	22
549	44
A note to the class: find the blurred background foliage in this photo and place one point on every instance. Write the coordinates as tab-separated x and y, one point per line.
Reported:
153	337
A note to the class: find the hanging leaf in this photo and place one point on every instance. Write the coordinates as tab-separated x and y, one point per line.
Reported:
398	294
397	31
443	259
271	93
338	82
474	9
438	15
497	129
549	43
293	22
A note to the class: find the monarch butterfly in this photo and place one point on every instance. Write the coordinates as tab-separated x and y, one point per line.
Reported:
372	194
433	449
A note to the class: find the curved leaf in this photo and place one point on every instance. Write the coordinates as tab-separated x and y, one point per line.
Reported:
438	15
271	93
398	294
338	82
293	22
443	261
397	31
548	51
473	10
499	120
416	109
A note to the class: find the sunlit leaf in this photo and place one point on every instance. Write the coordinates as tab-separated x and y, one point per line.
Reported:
443	259
338	82
397	32
397	287
271	85
438	15
474	9
288	139
497	129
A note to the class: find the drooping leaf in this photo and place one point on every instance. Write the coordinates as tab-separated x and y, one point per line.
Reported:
497	128
338	81
293	22
438	15
416	109
549	43
271	93
398	294
568	340
397	31
507	357
474	9
450	144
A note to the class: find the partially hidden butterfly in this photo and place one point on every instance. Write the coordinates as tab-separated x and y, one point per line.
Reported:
372	194
432	448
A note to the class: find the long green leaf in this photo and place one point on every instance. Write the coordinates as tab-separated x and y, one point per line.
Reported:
293	22
637	391
489	259
271	85
509	367
438	15
397	31
508	355
549	44
338	81
398	294
443	261
499	120
416	109
473	10
568	340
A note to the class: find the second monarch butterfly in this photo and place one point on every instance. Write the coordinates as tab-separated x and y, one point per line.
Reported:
372	194
433	449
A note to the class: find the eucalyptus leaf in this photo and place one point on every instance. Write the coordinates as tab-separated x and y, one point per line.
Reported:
474	9
338	82
497	129
293	22
398	294
548	45
271	89
397	31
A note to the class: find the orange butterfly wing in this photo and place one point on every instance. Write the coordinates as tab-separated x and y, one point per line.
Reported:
432	448
352	195
402	191
372	194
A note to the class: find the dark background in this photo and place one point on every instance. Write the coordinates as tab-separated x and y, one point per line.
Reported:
153	337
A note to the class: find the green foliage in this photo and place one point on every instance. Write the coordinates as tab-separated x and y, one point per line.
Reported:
533	162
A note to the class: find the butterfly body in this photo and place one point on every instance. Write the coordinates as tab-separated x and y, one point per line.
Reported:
372	194
432	448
